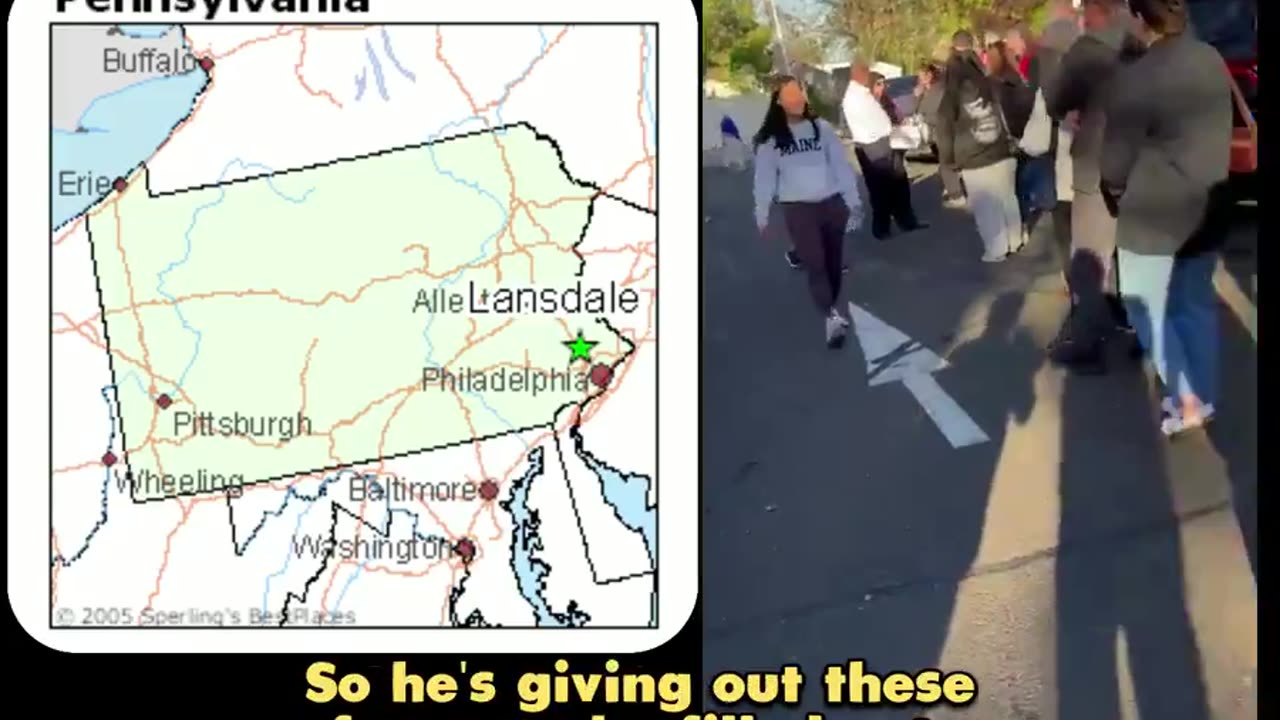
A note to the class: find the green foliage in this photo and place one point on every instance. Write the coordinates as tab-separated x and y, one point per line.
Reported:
737	48
750	54
1038	17
805	45
905	32
734	46
823	106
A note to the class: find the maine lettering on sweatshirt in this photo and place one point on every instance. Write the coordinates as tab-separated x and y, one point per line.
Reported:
813	169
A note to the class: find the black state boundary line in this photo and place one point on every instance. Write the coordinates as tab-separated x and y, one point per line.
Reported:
331	549
576	435
325	483
580	450
492	130
239	489
195	100
538	135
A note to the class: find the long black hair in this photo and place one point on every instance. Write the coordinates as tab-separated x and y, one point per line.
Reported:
965	76
775	126
1167	17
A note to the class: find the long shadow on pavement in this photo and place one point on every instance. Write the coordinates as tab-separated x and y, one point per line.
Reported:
1120	599
1234	432
838	523
1239	257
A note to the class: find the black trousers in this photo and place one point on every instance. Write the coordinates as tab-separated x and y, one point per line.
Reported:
817	233
1096	310
885	172
1062	233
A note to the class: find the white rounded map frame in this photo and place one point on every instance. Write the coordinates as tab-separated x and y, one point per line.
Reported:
29	342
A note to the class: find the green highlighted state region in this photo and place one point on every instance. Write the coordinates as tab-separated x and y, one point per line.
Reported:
274	326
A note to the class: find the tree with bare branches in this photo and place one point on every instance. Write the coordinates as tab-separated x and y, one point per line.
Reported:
905	32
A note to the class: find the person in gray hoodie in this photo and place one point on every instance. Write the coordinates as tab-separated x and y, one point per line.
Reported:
802	164
1078	96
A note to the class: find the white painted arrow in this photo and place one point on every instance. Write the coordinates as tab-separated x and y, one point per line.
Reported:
893	357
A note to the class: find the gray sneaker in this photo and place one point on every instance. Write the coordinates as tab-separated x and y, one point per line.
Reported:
837	328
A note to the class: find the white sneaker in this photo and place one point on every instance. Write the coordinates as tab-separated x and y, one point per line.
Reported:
1174	424
837	328
993	258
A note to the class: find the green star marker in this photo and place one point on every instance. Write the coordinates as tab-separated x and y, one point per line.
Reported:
581	347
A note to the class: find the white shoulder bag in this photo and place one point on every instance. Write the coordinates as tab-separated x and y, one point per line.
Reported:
1038	134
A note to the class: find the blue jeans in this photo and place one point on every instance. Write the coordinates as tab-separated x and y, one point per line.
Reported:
1035	185
1173	307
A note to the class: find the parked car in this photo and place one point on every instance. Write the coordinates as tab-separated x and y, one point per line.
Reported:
1244	146
1231	26
901	91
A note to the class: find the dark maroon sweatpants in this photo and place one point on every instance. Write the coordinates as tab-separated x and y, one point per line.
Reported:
817	233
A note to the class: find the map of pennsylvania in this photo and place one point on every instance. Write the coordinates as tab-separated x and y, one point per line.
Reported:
353	326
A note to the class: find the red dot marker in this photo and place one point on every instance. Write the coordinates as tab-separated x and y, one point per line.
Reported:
120	185
488	490
109	459
601	375
206	64
164	401
465	549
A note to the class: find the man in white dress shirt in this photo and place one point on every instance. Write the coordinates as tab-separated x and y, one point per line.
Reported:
887	181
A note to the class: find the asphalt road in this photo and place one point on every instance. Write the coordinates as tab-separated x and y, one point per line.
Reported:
1081	566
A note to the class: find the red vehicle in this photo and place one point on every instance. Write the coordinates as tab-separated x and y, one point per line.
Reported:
1231	26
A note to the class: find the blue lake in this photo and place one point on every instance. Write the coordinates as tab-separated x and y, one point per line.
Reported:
121	130
145	31
628	495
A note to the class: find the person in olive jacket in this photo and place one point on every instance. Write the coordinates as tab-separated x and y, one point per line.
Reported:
974	139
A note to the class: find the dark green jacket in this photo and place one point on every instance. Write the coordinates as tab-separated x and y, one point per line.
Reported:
965	83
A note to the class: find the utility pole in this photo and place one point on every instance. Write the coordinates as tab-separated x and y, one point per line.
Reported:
777	33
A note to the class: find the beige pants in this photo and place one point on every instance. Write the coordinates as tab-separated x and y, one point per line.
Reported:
993	201
1062	166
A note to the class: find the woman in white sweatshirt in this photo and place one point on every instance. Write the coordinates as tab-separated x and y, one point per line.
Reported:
802	164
